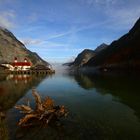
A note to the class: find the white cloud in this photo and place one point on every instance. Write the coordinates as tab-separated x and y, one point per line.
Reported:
7	19
58	35
61	49
77	29
98	2
54	45
117	13
123	18
45	44
33	17
29	41
104	1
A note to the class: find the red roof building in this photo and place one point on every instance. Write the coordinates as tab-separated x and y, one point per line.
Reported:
21	64
25	65
16	63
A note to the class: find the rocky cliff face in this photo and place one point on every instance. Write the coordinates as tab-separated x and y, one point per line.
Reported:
100	48
83	57
124	52
11	47
86	55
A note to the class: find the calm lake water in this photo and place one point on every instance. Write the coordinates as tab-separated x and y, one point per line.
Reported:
100	107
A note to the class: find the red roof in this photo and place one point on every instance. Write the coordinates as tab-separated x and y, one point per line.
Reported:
21	64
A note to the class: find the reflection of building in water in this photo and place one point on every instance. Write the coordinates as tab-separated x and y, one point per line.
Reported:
18	66
10	94
20	77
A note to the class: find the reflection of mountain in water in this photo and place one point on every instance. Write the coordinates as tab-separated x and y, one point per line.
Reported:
84	81
13	87
125	88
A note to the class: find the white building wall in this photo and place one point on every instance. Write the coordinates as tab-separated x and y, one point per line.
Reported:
8	66
12	68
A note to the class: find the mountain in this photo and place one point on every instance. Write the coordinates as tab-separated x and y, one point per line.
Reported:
86	55
11	47
83	57
100	47
122	53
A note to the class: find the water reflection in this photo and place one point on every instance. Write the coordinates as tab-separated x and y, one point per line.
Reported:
84	81
3	127
101	107
13	88
124	88
19	78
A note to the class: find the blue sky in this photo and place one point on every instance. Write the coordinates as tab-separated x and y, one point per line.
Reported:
60	29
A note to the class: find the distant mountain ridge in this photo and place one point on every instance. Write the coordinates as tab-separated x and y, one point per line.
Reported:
86	55
101	47
124	52
83	57
11	47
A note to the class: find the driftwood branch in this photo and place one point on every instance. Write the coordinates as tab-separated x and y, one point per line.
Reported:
44	111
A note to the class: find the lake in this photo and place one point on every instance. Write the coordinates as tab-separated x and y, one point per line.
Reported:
100	107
